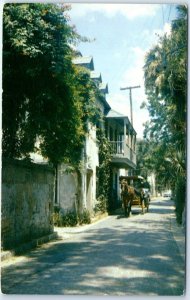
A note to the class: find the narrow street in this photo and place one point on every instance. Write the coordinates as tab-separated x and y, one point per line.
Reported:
114	256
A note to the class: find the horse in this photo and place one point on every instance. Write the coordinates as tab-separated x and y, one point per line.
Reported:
127	196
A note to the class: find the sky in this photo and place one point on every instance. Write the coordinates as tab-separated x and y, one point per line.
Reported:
121	35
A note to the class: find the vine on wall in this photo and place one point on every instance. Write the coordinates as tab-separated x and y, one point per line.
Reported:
104	173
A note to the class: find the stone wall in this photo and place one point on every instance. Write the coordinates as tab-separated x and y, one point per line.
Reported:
26	202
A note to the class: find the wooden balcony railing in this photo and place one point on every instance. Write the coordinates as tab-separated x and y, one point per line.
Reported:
121	149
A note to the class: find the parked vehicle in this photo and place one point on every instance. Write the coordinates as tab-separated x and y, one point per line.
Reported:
167	194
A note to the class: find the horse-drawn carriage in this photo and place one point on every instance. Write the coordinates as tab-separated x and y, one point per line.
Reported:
134	191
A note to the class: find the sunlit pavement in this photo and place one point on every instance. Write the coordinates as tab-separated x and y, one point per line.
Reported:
115	256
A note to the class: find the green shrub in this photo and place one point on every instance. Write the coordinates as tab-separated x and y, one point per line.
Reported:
56	219
71	219
101	205
180	194
84	218
104	178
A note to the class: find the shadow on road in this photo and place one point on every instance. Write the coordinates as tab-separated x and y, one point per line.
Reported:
158	206
117	257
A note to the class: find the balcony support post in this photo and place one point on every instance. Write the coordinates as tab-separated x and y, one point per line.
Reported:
108	132
125	137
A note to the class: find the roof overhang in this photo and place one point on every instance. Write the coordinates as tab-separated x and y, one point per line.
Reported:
96	76
123	163
84	61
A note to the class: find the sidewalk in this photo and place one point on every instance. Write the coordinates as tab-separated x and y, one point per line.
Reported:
28	246
178	232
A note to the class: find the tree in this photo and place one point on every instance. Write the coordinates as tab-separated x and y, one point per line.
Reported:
144	161
165	73
166	83
40	96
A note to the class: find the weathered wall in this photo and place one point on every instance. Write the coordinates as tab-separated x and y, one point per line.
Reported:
67	183
27	202
76	191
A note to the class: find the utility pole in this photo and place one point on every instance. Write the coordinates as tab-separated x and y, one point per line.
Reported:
130	97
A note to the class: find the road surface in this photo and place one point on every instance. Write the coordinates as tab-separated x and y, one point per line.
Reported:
116	256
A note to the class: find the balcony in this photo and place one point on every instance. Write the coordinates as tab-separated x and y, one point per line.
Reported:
122	155
122	137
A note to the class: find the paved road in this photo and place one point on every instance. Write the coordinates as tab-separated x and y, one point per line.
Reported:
115	256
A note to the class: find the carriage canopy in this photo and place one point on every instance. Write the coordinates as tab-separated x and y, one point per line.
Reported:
136	181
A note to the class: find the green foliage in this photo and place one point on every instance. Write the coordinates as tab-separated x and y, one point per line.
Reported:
56	219
71	219
165	73
144	158
87	92
101	205
165	163
179	198
45	99
104	173
84	217
166	85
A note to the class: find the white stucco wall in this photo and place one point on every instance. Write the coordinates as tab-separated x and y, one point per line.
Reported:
68	184
92	163
91	147
66	189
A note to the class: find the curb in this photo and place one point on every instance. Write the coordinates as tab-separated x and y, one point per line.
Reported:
28	246
64	231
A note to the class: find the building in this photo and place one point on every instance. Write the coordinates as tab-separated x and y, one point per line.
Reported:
122	137
76	191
